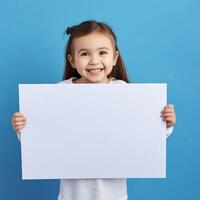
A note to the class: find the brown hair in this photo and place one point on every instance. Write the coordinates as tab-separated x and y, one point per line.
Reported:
85	28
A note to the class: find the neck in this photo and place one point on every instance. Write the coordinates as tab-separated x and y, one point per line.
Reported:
82	80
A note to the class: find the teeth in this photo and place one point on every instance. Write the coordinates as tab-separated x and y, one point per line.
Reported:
94	70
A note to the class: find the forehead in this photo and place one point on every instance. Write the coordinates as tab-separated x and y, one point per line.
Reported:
92	41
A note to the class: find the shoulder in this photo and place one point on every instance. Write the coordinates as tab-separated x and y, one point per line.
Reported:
118	81
70	80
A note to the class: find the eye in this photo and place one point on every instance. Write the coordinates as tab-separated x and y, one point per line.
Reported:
103	52
84	54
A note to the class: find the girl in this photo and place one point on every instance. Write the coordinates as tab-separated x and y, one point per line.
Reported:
92	56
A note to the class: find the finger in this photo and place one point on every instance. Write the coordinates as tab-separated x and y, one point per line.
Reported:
169	106
168	110
19	124
168	115
170	119
17	114
19	119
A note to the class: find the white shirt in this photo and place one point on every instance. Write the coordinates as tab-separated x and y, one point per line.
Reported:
94	189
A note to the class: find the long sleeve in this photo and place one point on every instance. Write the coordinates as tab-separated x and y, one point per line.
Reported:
19	136
169	131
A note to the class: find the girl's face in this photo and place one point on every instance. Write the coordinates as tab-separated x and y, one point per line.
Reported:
94	57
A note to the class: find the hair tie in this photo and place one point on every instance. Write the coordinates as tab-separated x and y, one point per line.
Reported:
69	30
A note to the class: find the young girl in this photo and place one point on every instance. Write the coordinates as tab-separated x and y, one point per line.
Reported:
92	56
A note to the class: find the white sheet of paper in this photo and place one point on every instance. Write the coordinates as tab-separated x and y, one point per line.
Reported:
93	131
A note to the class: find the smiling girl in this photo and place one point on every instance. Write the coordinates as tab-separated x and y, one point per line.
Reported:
92	56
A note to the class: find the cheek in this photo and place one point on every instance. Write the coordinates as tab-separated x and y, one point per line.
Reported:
109	61
80	63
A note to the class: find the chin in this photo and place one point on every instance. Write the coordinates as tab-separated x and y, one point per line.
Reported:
97	80
94	81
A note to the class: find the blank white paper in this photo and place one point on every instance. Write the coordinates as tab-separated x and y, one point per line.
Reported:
93	131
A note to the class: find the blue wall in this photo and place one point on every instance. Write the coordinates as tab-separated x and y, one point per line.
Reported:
159	41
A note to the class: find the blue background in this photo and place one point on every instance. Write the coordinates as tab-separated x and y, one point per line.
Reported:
159	42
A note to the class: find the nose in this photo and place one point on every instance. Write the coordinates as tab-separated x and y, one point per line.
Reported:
94	60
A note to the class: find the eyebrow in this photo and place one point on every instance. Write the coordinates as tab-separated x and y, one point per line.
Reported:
98	49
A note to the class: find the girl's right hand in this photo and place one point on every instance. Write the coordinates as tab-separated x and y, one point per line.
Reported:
18	122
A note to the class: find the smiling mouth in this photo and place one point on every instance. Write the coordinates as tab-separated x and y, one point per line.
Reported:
95	70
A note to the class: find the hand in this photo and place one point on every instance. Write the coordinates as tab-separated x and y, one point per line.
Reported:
18	122
168	114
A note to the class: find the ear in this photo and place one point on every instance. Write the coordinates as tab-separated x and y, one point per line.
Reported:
116	56
71	61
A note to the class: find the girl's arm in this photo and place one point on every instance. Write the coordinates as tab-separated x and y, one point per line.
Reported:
18	123
168	114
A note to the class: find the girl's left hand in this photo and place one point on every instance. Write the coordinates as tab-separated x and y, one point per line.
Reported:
168	114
